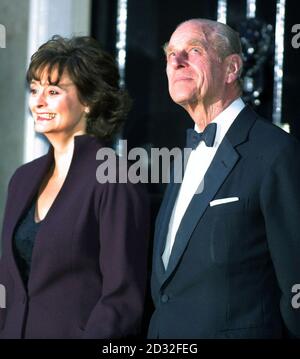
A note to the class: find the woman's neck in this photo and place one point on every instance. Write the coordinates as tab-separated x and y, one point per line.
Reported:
63	153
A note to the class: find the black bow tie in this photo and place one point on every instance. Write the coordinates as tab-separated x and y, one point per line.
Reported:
208	136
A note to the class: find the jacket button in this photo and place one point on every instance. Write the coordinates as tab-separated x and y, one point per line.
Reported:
164	298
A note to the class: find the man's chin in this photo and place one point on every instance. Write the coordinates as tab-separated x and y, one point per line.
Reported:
179	98
184	101
183	95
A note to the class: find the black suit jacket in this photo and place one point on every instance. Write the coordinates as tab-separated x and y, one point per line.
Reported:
88	270
233	266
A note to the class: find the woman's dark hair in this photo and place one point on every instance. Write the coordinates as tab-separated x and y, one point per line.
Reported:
95	75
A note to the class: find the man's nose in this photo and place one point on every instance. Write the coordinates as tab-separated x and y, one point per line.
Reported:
179	59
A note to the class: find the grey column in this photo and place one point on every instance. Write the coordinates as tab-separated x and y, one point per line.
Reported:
28	24
14	17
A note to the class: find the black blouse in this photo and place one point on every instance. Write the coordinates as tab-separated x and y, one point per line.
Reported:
24	239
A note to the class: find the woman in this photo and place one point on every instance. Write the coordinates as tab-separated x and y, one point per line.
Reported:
74	250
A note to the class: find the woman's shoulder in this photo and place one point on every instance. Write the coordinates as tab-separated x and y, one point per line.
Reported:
28	169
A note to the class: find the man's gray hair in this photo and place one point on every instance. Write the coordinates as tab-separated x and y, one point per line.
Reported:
221	37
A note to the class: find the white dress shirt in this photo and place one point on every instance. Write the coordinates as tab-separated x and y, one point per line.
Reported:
197	165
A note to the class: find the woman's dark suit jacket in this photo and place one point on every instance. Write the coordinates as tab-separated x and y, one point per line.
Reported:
88	270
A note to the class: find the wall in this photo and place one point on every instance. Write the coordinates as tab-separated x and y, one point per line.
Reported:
28	24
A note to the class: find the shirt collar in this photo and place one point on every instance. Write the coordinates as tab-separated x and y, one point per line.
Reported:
225	119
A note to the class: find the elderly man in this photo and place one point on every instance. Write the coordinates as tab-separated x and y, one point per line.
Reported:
227	242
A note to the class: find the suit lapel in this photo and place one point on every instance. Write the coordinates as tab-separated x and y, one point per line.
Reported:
221	166
23	196
30	186
166	209
162	225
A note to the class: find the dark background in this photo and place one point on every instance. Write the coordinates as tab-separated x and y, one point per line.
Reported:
155	121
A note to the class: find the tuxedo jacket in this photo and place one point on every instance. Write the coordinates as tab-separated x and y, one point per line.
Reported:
233	265
88	269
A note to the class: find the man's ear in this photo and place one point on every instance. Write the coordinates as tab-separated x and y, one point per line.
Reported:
234	68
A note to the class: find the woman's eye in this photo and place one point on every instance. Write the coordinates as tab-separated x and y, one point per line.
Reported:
33	91
53	92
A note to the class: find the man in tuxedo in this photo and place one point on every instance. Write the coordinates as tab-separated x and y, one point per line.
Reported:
227	239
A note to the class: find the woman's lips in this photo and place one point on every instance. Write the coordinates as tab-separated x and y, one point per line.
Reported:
45	117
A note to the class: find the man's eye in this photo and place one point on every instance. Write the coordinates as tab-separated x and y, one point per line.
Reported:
195	50
171	54
33	91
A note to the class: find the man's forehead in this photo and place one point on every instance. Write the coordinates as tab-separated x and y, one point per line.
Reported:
186	40
188	32
190	27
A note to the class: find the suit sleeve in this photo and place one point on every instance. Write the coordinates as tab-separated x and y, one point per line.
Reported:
123	232
280	197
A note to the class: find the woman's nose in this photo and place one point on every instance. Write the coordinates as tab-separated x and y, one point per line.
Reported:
41	100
